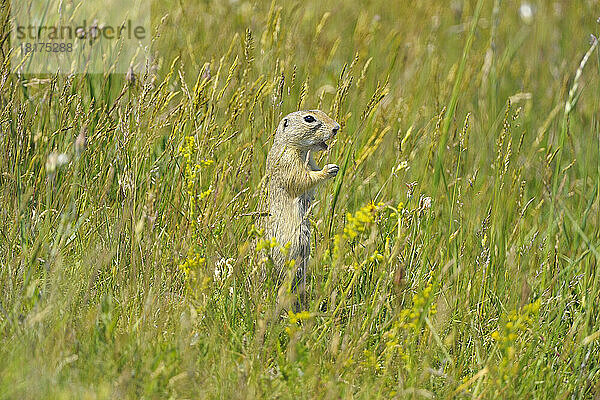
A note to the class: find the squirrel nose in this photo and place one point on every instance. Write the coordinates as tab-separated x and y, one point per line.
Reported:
335	129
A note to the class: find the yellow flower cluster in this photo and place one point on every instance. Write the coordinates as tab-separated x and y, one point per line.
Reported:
516	323
294	319
337	245
205	194
375	257
409	321
411	317
188	150
266	244
188	147
195	279
355	224
397	211
254	231
358	222
297	317
370	361
191	264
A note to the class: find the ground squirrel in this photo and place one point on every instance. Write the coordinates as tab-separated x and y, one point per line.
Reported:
292	175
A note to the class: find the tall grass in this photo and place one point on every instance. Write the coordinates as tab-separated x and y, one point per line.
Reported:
455	255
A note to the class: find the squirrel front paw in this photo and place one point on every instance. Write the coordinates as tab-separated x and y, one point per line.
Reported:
331	170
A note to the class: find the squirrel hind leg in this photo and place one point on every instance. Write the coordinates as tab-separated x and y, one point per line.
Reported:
299	286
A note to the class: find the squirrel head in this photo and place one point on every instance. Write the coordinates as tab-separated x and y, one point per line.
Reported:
306	130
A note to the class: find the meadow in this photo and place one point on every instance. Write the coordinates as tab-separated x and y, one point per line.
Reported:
454	256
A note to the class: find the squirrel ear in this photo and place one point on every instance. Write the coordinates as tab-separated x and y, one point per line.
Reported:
285	122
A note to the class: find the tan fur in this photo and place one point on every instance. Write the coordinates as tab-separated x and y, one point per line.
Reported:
292	176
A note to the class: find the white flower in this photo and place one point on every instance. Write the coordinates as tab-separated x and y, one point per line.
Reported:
54	161
526	12
62	159
224	267
425	203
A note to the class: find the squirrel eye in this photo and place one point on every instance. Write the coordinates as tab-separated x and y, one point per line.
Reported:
309	118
